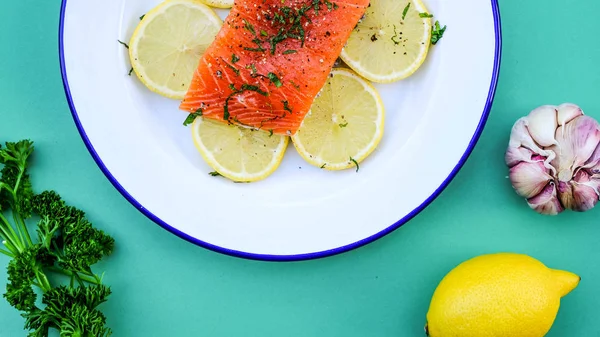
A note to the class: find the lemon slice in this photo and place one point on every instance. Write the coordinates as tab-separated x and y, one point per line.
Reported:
345	123
238	153
391	42
168	43
219	3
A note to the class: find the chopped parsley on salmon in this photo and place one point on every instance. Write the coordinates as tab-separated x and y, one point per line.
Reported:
269	61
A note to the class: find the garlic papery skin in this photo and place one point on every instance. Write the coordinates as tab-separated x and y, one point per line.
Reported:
541	125
546	202
529	178
567	112
554	159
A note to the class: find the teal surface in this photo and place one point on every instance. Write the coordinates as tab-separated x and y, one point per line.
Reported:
164	286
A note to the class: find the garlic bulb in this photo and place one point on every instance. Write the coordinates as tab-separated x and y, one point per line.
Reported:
554	159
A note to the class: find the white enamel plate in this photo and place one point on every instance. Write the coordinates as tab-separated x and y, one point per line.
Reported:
433	120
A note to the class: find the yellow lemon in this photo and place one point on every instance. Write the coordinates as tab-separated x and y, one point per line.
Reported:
168	43
238	153
344	125
498	295
219	3
390	42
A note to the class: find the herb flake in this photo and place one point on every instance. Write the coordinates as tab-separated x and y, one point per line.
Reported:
437	33
259	47
405	11
124	44
291	21
286	106
250	87
252	68
274	79
396	37
192	117
234	58
343	125
215	174
425	15
249	27
355	163
235	70
234	90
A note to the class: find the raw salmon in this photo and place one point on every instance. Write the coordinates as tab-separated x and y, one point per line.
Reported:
269	61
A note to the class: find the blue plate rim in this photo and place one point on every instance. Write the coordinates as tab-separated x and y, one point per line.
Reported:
295	257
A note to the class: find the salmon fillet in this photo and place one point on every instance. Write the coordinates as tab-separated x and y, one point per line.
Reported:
269	61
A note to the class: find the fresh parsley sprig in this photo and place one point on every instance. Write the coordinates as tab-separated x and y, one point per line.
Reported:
65	243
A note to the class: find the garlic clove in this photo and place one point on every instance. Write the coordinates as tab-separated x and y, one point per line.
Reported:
565	194
542	123
546	202
520	137
529	178
581	176
585	196
515	155
580	194
568	112
577	141
586	189
594	160
595	170
593	183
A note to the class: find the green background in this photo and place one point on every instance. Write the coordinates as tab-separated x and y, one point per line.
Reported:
164	286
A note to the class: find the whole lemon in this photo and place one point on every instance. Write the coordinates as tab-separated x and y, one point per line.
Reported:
498	295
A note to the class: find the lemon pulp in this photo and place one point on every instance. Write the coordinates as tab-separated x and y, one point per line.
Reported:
238	153
344	125
391	41
168	43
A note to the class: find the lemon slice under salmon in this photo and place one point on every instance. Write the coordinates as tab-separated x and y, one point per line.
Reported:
168	43
238	153
219	3
391	41
345	123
